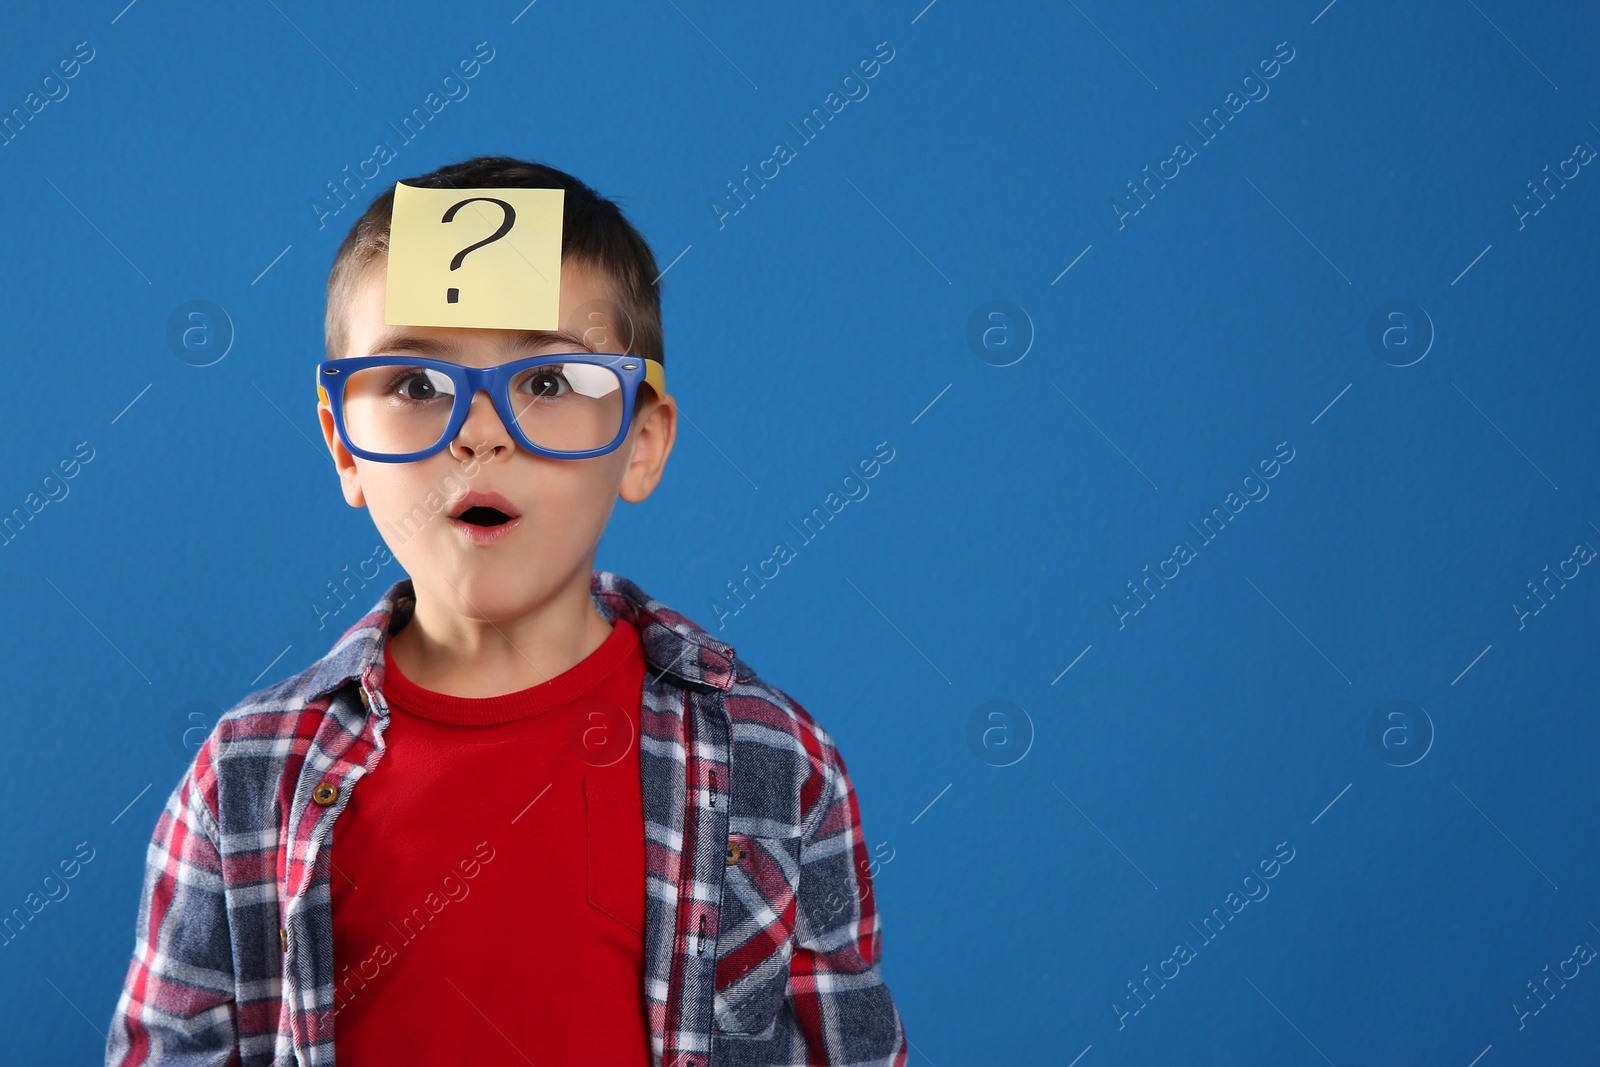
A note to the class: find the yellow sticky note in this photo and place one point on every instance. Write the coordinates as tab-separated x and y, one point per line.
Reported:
475	257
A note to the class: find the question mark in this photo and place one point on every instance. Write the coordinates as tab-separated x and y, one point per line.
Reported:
454	295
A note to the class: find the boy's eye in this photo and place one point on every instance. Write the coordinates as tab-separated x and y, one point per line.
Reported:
547	382
419	383
571	383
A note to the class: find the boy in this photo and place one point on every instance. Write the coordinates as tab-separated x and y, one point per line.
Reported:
591	834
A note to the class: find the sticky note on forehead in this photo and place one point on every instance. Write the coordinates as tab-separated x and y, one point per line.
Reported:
487	258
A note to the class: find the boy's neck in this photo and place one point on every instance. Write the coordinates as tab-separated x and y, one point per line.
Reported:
446	653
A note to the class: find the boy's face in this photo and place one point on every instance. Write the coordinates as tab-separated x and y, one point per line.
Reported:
561	505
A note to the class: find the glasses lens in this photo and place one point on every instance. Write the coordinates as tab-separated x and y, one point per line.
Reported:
397	408
568	407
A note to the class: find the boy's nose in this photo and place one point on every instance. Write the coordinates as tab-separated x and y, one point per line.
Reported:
482	432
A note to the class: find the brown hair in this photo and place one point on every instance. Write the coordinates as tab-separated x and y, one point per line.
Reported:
593	232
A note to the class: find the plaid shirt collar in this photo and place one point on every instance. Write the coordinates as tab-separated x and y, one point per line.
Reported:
668	638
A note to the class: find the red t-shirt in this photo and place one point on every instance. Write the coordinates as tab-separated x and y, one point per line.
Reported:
488	876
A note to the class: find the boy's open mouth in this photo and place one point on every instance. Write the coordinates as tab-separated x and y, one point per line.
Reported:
484	509
482	516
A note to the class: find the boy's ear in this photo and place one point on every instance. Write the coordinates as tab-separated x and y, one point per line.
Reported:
653	433
349	477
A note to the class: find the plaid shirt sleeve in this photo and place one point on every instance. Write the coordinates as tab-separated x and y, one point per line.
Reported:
844	1008
177	1001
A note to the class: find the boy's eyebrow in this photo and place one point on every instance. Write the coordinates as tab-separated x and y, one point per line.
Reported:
429	346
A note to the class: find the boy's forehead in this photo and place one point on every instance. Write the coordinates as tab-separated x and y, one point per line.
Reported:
586	302
451	342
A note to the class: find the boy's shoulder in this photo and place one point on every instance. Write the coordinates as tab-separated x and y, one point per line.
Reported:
263	712
784	768
759	713
258	746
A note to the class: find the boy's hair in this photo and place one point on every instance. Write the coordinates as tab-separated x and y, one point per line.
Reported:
593	232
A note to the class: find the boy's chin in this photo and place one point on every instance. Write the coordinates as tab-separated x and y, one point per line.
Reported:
489	593
478	583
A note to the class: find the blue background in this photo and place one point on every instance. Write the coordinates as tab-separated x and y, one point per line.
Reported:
1036	471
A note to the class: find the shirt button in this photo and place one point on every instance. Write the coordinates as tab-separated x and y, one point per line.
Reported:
366	701
734	852
325	793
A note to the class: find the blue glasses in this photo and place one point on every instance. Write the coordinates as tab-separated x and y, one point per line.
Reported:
566	405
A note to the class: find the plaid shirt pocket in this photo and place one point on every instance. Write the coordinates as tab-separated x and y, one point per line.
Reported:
756	932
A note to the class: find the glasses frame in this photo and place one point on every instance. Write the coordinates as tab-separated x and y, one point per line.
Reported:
496	381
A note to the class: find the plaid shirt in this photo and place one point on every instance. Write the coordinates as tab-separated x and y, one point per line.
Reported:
762	938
